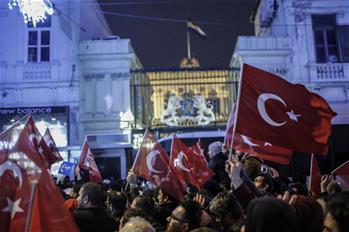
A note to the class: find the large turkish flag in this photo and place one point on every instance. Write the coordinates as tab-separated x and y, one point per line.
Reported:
284	114
262	149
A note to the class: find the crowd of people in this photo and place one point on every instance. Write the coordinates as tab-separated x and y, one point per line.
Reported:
244	195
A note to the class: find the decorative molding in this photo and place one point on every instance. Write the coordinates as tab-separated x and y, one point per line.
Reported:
94	75
120	75
300	7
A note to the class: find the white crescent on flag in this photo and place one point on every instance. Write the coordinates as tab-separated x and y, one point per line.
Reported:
179	162
248	141
262	111
150	158
8	165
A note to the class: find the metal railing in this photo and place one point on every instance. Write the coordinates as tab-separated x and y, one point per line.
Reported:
182	97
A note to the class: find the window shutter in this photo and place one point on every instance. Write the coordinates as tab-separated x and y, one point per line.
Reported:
343	38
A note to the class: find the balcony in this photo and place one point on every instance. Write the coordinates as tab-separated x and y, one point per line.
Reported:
37	71
329	72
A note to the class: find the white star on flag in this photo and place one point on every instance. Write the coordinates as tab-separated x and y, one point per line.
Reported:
12	207
41	150
293	116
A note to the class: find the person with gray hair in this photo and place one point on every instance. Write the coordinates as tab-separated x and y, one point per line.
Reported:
137	224
217	163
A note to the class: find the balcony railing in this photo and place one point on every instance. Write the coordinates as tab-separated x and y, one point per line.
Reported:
37	71
338	72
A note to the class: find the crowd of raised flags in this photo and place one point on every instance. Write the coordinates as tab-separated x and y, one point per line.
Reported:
271	119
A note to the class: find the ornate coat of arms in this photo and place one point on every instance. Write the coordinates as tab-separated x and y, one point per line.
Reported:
187	108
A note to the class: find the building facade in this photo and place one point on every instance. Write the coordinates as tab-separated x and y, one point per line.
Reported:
305	42
59	72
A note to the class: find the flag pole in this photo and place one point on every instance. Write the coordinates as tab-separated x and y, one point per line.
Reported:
188	44
311	170
30	211
133	165
236	112
17	123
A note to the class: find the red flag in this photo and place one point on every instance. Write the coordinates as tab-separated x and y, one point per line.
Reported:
263	150
288	115
198	152
88	163
52	145
39	143
181	165
315	177
342	174
152	164
198	161
22	170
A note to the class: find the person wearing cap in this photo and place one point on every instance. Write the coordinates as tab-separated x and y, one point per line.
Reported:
217	163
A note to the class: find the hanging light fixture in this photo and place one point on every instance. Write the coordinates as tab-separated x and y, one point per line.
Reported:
33	10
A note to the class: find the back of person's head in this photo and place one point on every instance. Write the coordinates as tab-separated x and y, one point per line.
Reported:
338	208
298	188
118	201
226	203
75	190
151	193
271	215
309	213
115	185
252	165
213	187
280	185
215	148
129	213
144	203
137	224
94	192
204	229
192	213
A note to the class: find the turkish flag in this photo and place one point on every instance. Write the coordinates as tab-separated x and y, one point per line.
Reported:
342	174
88	163
315	177
55	156
24	179
181	165
39	143
152	164
198	162
263	150
284	114
198	152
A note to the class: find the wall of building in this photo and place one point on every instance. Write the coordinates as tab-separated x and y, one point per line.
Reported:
56	82
105	84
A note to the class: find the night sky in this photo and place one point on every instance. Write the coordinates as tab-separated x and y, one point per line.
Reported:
157	29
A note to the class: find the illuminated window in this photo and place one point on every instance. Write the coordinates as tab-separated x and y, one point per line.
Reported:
39	41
